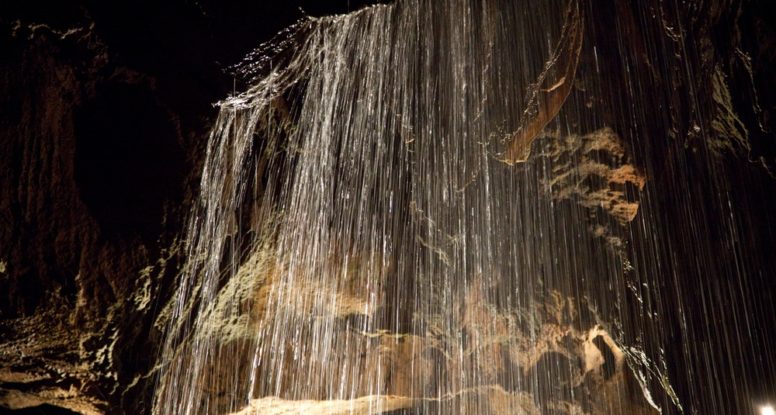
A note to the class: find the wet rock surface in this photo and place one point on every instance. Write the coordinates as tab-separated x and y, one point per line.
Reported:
105	112
558	343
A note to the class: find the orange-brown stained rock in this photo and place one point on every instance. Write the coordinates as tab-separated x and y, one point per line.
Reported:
364	405
399	371
594	170
548	93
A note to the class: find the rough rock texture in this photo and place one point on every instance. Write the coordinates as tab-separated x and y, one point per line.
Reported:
104	114
550	343
668	57
93	182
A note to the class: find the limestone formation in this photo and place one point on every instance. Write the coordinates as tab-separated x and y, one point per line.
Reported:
105	115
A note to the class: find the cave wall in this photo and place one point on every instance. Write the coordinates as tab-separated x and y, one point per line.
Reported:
105	111
692	86
91	201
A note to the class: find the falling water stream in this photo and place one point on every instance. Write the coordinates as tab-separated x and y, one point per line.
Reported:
368	237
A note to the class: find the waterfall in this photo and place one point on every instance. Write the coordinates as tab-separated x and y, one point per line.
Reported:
364	241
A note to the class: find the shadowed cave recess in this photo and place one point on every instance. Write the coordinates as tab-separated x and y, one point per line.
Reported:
405	207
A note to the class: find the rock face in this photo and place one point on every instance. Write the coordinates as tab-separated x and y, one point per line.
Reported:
94	179
102	131
547	346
